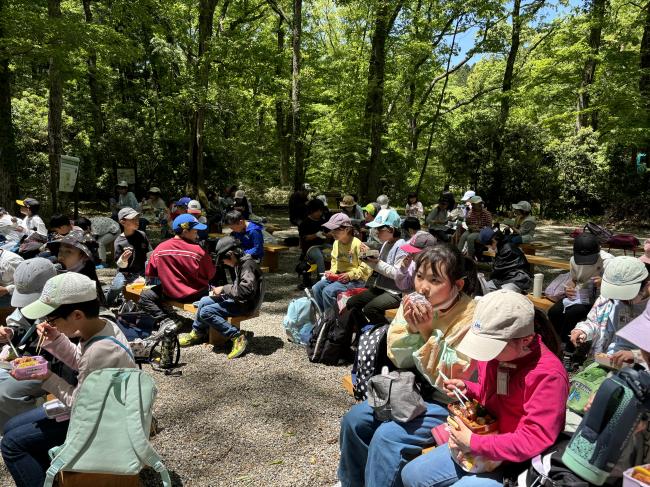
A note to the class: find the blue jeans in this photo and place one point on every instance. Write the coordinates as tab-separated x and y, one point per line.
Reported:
215	311
17	396
373	453
437	469
325	292
26	441
120	280
315	254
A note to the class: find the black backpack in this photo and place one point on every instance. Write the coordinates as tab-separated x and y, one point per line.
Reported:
333	338
601	233
159	348
526	475
372	355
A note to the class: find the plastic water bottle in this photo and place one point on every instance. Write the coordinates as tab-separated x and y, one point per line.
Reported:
538	282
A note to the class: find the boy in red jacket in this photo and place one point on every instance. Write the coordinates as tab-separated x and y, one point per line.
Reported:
183	267
520	382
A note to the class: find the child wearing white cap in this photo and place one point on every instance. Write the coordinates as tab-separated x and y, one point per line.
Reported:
521	383
69	306
29	279
624	288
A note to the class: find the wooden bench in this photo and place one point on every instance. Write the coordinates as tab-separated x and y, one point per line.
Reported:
534	260
271	256
4	312
542	303
217	339
76	479
214	337
531	248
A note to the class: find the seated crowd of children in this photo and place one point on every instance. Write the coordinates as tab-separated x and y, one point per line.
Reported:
61	312
459	335
464	336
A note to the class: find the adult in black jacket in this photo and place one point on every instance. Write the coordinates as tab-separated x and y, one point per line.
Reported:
241	297
510	269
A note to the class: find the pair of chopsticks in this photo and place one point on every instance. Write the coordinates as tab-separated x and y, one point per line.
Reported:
456	391
14	349
39	346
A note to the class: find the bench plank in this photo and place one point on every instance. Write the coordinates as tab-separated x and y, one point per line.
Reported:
271	256
217	339
78	479
347	384
390	314
542	303
534	260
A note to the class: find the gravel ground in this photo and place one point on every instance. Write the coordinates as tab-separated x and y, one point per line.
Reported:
268	418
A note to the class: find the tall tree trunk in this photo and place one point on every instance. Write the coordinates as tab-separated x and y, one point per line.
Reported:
504	112
436	116
196	170
55	110
281	128
510	64
586	118
644	80
8	179
95	106
374	109
298	143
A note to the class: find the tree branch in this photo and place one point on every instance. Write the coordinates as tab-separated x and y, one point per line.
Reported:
471	100
278	10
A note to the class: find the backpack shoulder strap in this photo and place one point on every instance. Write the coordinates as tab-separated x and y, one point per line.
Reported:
140	441
113	339
76	440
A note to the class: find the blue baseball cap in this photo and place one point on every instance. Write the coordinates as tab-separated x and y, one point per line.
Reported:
389	219
485	235
188	222
184	201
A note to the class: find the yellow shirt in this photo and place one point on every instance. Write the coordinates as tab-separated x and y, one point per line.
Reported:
345	259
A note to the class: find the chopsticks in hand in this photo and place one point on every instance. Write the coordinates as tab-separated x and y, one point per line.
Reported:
456	390
14	349
39	346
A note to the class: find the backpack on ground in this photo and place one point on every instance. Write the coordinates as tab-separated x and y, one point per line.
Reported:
113	409
601	233
299	321
372	355
623	241
160	348
333	339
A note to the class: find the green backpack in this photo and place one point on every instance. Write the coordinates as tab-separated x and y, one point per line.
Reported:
109	427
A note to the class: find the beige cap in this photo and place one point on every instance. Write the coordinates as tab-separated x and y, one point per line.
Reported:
523	206
498	318
347	201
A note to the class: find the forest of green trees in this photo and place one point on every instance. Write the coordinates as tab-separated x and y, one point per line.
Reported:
519	99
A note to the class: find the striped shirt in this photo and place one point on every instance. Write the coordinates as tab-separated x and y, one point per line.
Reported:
479	219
